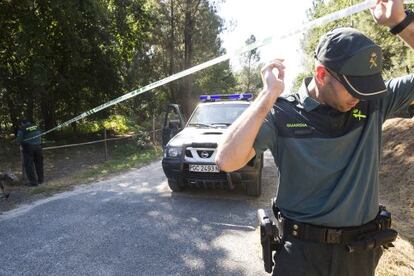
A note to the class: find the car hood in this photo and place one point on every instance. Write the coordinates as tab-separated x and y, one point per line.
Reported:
191	135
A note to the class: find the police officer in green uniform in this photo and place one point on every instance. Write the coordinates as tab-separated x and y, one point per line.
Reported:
27	137
326	143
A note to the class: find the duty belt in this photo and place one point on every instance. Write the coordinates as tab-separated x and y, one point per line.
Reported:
344	235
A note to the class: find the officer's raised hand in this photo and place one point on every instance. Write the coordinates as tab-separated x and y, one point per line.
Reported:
391	13
236	147
273	75
388	12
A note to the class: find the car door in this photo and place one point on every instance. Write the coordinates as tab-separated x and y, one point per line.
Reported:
174	122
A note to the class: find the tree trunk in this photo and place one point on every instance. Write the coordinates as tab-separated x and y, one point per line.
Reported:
13	113
76	111
30	104
249	73
188	58
47	111
171	53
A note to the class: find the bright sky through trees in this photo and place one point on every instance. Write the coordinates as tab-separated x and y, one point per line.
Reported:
264	18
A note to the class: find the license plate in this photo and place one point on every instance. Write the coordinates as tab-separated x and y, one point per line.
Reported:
204	168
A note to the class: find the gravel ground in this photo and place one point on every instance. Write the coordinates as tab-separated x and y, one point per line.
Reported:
133	225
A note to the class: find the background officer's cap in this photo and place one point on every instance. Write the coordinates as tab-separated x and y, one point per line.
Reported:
25	121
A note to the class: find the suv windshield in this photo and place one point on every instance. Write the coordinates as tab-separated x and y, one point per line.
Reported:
216	114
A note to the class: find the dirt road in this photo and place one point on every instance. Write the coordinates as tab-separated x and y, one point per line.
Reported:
133	225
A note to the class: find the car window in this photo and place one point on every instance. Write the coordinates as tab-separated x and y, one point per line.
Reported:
217	114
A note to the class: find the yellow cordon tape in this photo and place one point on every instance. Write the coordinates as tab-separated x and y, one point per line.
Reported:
97	141
300	29
88	143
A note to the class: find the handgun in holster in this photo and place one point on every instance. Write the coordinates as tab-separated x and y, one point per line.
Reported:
269	238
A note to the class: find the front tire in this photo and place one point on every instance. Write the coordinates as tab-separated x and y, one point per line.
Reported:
254	188
175	185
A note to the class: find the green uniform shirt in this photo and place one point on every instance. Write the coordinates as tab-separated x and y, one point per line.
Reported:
25	135
328	161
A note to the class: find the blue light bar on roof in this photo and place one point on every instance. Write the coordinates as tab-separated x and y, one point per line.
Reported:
212	98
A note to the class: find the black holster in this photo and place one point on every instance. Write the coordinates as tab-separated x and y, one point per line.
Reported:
269	238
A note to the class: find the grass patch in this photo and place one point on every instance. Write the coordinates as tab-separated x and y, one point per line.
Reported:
121	163
122	158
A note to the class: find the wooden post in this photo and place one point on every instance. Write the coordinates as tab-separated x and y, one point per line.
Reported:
106	145
153	130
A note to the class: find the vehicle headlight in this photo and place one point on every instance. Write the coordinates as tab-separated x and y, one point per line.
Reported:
173	152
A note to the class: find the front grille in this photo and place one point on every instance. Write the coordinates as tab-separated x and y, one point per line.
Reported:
204	145
205	153
207	184
188	153
206	176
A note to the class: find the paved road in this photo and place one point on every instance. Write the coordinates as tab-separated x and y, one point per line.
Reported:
133	225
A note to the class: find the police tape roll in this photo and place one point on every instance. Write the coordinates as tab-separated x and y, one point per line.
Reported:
297	30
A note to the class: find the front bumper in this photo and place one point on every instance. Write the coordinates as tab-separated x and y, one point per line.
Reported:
179	171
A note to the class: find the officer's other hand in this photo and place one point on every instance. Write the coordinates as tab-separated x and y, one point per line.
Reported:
273	75
388	12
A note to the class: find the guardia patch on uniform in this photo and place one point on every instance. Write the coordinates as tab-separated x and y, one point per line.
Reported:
31	128
296	125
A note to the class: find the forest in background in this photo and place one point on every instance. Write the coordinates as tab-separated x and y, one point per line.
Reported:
398	58
61	58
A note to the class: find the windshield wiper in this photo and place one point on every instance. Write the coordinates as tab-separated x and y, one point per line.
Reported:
199	125
226	124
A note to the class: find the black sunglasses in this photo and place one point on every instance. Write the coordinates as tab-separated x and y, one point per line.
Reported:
333	74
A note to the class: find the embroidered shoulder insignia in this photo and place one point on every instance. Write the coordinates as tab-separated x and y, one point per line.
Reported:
373	61
357	114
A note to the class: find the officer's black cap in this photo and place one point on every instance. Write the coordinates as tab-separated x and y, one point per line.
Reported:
356	59
25	121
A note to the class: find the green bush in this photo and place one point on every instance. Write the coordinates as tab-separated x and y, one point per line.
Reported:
88	127
117	124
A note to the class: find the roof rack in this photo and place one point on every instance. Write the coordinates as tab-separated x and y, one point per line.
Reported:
219	97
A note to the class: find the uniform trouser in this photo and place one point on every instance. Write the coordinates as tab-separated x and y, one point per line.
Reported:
33	163
303	258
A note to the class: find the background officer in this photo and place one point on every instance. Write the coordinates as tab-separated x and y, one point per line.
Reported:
32	151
